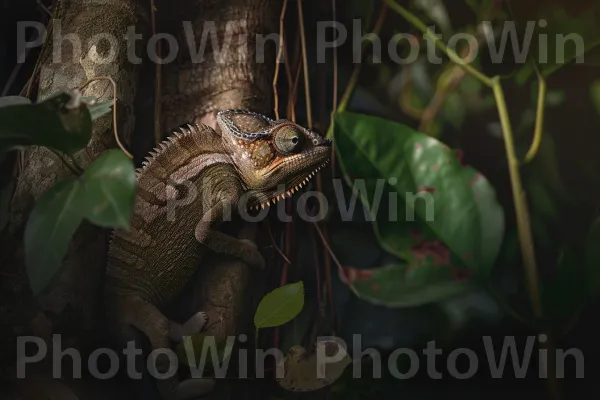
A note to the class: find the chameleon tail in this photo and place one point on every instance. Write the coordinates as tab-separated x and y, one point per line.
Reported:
148	319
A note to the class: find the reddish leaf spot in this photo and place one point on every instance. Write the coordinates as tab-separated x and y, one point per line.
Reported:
429	189
418	147
437	252
375	287
468	256
435	167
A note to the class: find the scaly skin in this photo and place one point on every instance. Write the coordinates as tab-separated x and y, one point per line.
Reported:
254	160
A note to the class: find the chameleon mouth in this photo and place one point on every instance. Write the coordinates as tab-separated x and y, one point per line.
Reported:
289	191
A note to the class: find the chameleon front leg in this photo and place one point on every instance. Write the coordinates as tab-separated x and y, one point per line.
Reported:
224	244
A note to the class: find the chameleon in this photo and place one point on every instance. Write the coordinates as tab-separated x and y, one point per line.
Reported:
249	161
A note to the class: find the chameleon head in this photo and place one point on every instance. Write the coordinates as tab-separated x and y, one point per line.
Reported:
274	158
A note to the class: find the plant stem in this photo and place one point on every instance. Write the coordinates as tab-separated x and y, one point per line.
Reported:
414	20
519	199
521	209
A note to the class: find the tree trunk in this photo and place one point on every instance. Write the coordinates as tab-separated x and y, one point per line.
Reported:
191	92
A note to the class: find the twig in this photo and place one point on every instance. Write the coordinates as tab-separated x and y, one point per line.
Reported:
287	260
114	86
356	72
335	260
410	17
157	79
335	64
305	66
456	76
277	61
44	8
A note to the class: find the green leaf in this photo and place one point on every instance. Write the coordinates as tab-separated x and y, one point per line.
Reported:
450	210
280	306
565	19
13	100
50	227
404	285
49	123
104	194
110	186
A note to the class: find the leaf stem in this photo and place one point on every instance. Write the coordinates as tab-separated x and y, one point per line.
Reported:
428	33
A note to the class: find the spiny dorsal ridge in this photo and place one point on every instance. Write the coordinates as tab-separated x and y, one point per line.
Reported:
186	129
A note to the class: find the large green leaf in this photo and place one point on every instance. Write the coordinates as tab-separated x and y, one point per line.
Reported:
280	306
53	221
458	225
104	194
404	285
110	185
565	19
50	123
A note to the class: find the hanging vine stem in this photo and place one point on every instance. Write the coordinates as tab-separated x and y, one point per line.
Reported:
356	72
519	199
114	86
539	118
278	59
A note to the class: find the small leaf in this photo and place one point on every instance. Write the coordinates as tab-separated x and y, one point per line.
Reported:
49	123
13	100
110	186
50	227
280	306
307	371
403	285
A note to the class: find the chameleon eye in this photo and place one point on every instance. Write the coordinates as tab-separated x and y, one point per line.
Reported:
288	139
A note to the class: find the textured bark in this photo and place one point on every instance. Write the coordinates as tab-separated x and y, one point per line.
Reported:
234	75
63	68
191	91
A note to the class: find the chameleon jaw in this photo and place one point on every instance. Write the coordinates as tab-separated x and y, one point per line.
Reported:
289	192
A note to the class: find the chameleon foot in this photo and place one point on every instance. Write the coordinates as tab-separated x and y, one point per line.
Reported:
193	325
